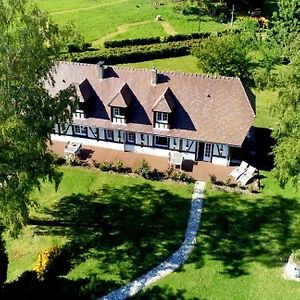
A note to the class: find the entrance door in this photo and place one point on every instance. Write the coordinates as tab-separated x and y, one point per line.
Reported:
207	152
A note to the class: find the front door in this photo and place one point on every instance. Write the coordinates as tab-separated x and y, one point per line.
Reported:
207	152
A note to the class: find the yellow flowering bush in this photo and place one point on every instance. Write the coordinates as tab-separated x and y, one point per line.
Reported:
45	265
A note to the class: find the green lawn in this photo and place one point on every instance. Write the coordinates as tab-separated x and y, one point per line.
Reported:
241	248
95	19
113	227
178	64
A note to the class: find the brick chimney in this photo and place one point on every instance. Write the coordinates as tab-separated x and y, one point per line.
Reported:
154	76
101	69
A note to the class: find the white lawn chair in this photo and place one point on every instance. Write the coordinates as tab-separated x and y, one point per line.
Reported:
247	176
176	158
241	169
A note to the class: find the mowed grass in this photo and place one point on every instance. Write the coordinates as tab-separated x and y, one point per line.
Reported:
95	19
178	64
241	248
113	227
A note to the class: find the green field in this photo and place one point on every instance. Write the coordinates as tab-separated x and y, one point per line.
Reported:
113	227
99	20
241	248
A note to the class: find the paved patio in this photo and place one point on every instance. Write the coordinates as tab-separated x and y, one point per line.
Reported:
199	170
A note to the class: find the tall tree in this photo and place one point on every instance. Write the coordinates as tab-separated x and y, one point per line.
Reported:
286	23
287	131
30	44
226	55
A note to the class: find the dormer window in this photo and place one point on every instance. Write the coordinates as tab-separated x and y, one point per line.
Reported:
120	105
163	109
118	112
162	117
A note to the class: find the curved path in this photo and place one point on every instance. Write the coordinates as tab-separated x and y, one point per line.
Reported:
174	261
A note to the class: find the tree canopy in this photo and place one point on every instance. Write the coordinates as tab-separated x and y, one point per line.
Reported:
30	44
225	56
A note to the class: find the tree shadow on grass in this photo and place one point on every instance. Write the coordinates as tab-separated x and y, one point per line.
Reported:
126	230
237	231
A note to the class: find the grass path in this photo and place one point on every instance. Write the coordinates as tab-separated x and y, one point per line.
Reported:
88	7
120	29
167	27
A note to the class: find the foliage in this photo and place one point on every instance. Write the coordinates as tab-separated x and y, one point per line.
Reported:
296	256
132	53
72	39
144	169
117	166
183	37
3	261
30	46
131	42
286	110
73	161
105	166
224	56
46	265
286	24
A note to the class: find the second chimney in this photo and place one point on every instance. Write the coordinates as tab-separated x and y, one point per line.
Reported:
100	65
154	76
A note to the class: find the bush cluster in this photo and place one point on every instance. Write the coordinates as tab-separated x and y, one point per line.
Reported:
184	37
131	53
131	42
46	265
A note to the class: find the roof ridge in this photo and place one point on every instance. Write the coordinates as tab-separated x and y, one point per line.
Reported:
177	73
203	75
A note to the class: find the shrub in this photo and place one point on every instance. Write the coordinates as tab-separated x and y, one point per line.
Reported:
46	265
73	161
227	181
105	166
181	176
144	169
296	257
117	166
131	42
212	178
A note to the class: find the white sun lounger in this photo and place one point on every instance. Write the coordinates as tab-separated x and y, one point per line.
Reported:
241	169
249	174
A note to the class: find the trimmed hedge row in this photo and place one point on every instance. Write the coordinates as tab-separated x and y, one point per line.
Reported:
184	37
131	42
169	38
134	53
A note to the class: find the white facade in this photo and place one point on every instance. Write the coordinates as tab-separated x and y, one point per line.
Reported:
152	144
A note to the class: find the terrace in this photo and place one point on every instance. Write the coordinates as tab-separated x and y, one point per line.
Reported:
199	170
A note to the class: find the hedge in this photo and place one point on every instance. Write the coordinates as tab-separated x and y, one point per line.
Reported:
131	42
133	53
184	37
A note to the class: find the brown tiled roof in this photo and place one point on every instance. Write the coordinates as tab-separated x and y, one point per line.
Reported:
206	108
122	98
165	102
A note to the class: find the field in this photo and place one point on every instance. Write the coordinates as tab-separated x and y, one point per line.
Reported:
113	228
99	20
241	248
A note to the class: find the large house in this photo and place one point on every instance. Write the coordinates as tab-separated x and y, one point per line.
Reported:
205	117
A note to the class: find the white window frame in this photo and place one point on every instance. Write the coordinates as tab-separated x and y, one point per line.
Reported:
131	137
116	112
109	134
162	117
80	129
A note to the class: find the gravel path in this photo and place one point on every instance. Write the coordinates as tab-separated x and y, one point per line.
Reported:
174	261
